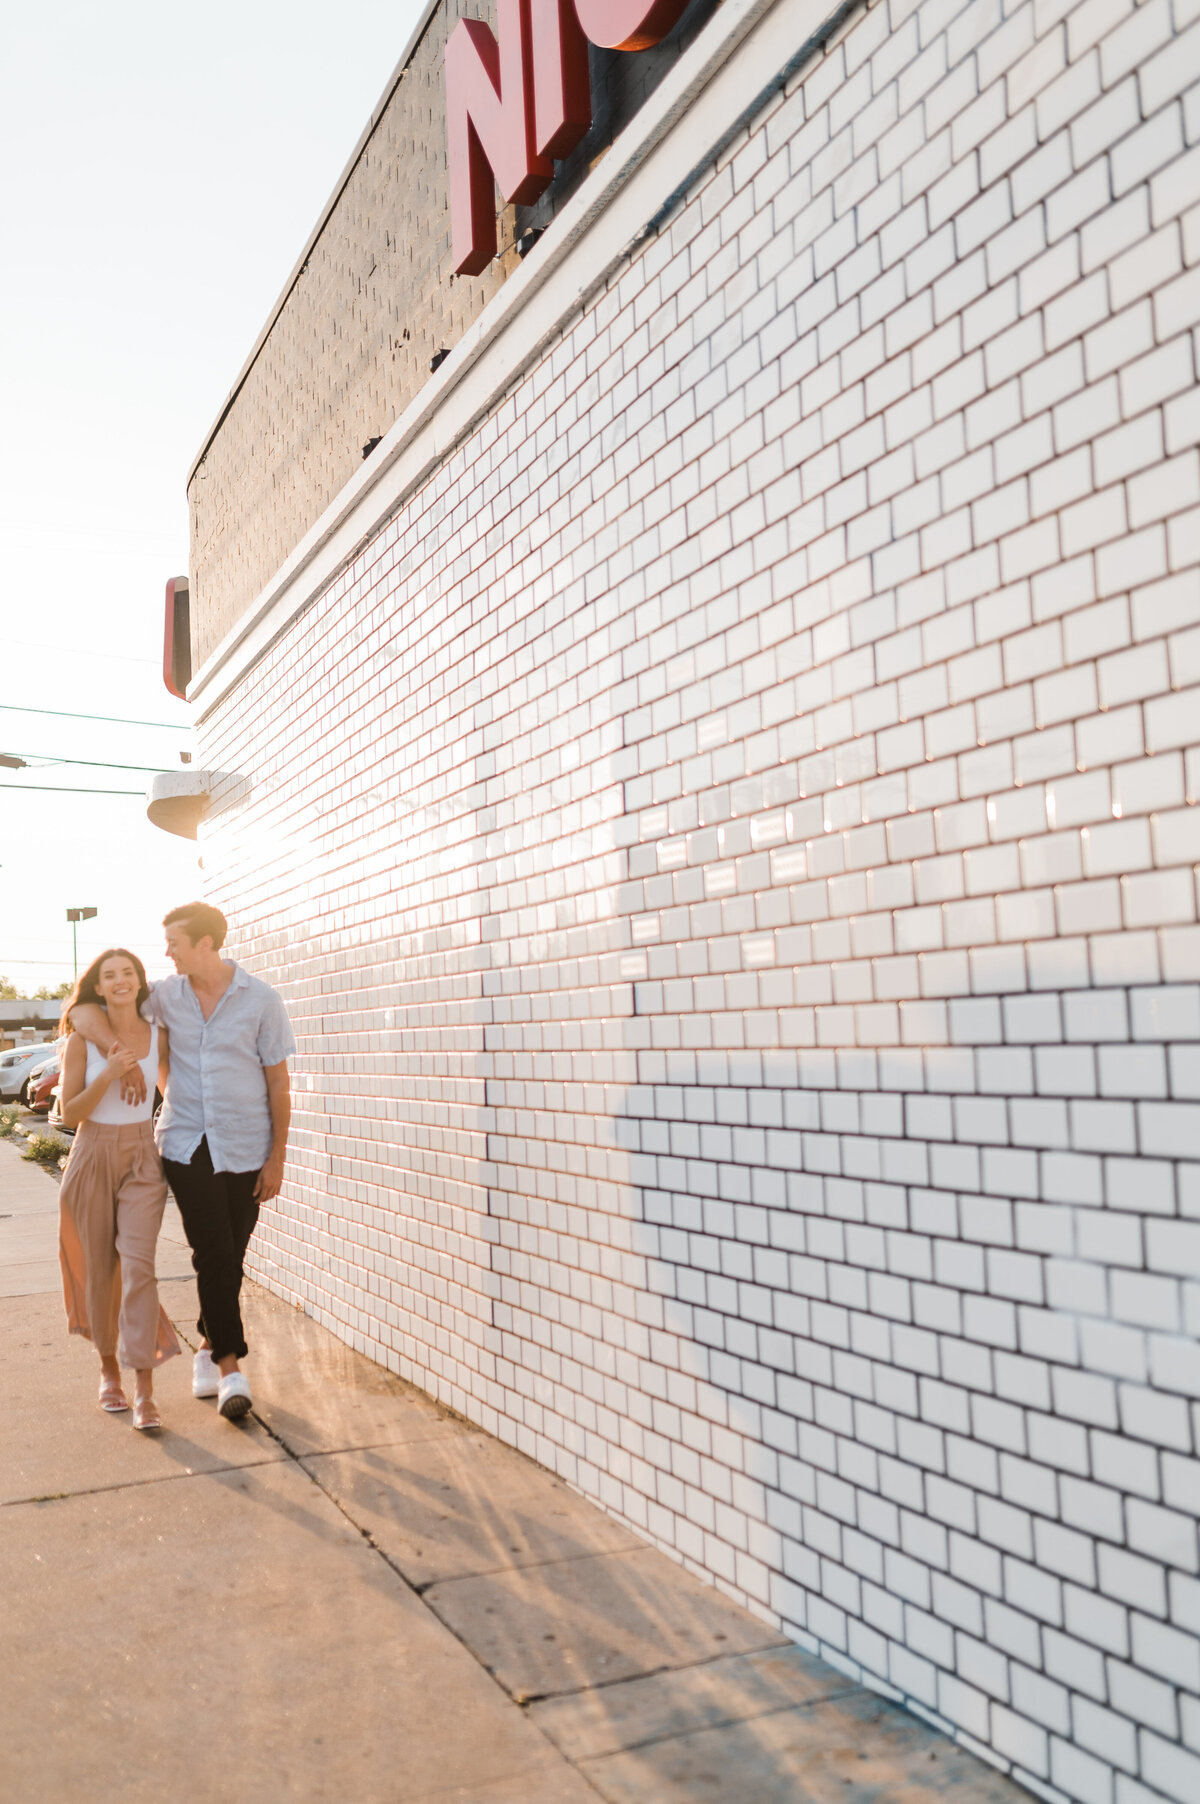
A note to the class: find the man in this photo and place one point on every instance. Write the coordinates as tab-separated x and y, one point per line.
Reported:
223	1127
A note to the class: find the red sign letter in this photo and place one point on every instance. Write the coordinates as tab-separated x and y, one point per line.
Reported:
561	28
628	24
490	120
512	106
177	649
562	85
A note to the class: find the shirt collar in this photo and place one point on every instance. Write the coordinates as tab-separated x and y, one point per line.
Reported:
239	981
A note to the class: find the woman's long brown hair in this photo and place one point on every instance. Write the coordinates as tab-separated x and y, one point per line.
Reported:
85	986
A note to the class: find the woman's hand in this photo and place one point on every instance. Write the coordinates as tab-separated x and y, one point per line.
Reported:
123	1066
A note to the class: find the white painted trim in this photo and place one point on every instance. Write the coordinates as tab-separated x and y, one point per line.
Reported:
712	91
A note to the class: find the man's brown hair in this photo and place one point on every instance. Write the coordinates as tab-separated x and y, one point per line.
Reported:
197	920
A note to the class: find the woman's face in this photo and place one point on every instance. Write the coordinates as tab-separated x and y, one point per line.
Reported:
118	981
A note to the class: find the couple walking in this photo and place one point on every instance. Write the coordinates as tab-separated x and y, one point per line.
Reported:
216	1042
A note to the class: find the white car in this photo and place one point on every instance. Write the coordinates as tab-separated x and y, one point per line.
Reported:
54	1119
15	1067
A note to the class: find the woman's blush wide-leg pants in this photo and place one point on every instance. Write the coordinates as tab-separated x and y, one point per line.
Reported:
110	1211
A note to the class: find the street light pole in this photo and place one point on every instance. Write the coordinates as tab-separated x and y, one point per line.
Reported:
75	915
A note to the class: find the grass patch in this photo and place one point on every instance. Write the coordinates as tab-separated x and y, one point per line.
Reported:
9	1117
49	1150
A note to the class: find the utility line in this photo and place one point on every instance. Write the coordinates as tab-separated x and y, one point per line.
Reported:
26	938
42	964
65	789
115	720
92	763
84	651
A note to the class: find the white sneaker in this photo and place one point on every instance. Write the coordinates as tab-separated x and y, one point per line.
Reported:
234	1395
206	1375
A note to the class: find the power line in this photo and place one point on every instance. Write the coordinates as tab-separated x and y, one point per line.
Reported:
114	720
84	651
26	938
66	789
92	763
49	964
38	964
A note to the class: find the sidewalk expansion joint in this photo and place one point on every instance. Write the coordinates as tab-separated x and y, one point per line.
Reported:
418	1591
807	1706
134	1484
408	1440
297	1460
562	1559
651	1672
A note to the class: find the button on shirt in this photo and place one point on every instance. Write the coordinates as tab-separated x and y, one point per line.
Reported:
217	1089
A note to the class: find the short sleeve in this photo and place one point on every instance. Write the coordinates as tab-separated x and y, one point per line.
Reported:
152	1007
276	1041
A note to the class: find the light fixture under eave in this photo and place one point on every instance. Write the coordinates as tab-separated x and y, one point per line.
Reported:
177	800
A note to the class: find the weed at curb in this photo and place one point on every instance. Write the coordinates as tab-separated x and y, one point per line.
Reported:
47	1149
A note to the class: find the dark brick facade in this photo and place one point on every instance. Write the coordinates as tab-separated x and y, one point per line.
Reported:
374	303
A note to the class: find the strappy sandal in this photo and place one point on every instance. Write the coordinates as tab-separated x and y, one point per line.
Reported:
145	1414
112	1397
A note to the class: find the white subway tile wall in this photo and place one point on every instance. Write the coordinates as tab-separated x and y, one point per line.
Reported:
729	851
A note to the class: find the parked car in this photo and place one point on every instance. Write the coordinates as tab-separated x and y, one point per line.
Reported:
16	1065
41	1083
38	1066
54	1119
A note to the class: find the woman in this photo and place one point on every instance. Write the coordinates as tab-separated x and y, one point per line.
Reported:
113	1189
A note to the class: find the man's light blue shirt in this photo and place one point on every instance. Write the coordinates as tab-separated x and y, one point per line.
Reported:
217	1088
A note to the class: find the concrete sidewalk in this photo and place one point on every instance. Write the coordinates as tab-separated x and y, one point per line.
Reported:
358	1597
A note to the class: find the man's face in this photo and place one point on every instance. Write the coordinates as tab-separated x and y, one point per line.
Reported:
183	955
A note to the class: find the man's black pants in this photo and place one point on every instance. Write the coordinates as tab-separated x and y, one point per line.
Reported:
219	1211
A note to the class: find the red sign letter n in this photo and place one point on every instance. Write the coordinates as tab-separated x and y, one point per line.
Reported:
490	121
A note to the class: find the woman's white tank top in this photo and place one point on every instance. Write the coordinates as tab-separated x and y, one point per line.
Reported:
110	1109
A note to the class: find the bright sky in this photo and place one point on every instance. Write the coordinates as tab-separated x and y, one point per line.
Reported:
160	169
